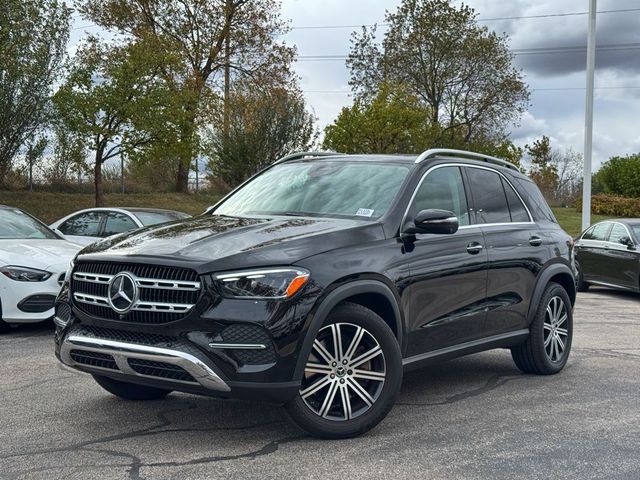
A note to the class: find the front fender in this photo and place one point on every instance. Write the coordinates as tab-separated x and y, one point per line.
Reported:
336	296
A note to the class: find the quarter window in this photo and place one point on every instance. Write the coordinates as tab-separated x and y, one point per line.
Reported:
443	189
489	196
84	225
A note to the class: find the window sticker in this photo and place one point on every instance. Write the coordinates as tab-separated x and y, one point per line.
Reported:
364	212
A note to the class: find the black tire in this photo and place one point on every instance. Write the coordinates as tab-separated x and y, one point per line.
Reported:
130	391
4	326
582	286
533	355
346	319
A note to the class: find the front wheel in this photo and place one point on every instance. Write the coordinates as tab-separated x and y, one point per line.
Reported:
547	349
130	391
352	376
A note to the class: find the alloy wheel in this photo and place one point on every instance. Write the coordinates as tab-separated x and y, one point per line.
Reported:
345	372
556	332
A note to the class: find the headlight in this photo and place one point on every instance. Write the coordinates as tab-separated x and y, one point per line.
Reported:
273	283
24	274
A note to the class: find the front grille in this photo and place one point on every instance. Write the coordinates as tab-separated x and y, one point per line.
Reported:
93	359
250	334
152	368
166	293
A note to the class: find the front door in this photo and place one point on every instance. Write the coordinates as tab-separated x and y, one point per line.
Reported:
447	284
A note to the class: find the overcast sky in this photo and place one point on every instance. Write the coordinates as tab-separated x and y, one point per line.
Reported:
557	80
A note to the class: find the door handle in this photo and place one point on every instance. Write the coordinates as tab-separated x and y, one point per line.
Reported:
535	241
474	248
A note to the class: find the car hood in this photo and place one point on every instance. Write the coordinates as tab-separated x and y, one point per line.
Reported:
214	242
35	253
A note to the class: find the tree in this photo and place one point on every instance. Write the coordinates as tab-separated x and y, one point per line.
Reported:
543	169
394	121
35	149
69	155
107	90
263	126
211	38
620	176
461	72
33	40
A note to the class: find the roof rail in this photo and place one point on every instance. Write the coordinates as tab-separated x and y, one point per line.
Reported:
433	152
299	155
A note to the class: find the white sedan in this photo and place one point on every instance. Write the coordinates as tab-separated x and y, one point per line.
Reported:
92	224
33	263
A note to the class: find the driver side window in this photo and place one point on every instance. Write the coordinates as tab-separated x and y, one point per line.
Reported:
443	189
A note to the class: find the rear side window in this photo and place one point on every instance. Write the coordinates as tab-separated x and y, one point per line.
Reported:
597	232
516	208
118	223
83	224
488	196
617	232
535	200
443	189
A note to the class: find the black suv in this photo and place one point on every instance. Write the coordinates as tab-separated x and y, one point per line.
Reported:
322	278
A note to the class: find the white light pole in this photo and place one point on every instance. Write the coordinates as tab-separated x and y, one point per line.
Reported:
588	117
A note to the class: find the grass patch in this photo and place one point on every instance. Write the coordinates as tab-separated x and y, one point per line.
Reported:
49	207
571	220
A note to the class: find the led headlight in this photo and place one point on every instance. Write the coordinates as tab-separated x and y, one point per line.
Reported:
24	274
272	283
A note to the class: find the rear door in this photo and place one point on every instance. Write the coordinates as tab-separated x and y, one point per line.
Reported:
591	253
447	273
516	249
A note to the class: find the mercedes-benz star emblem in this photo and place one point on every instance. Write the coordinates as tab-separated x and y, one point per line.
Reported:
123	292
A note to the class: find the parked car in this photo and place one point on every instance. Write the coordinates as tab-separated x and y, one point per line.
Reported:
607	254
92	224
33	263
320	280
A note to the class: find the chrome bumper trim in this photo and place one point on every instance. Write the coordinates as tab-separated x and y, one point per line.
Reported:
238	346
122	351
59	322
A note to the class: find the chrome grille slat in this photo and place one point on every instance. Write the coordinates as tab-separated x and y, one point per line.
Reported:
165	293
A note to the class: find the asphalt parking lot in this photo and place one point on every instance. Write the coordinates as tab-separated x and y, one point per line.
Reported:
475	417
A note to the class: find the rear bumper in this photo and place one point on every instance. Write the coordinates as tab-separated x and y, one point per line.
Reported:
122	353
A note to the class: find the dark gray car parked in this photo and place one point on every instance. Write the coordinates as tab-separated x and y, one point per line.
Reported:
606	254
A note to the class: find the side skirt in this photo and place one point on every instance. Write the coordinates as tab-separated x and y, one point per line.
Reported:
503	340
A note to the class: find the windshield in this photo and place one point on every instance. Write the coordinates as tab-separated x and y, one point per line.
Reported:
322	188
16	224
153	218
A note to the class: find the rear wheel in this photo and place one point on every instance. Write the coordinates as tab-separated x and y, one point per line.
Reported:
130	391
582	285
547	349
352	375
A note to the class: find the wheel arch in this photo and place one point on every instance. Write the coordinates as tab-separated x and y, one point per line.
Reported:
375	295
559	273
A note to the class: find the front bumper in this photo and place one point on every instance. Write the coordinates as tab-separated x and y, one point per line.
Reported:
25	302
120	357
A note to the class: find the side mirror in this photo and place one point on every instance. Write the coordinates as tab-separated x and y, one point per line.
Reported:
434	220
628	242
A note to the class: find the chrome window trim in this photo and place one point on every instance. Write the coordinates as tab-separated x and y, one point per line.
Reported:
474	225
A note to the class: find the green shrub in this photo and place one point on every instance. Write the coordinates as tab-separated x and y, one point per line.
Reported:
612	205
620	176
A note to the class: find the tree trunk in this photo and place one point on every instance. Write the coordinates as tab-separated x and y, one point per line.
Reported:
182	177
97	178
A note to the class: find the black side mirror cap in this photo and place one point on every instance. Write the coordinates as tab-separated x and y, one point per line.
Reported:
628	242
435	221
